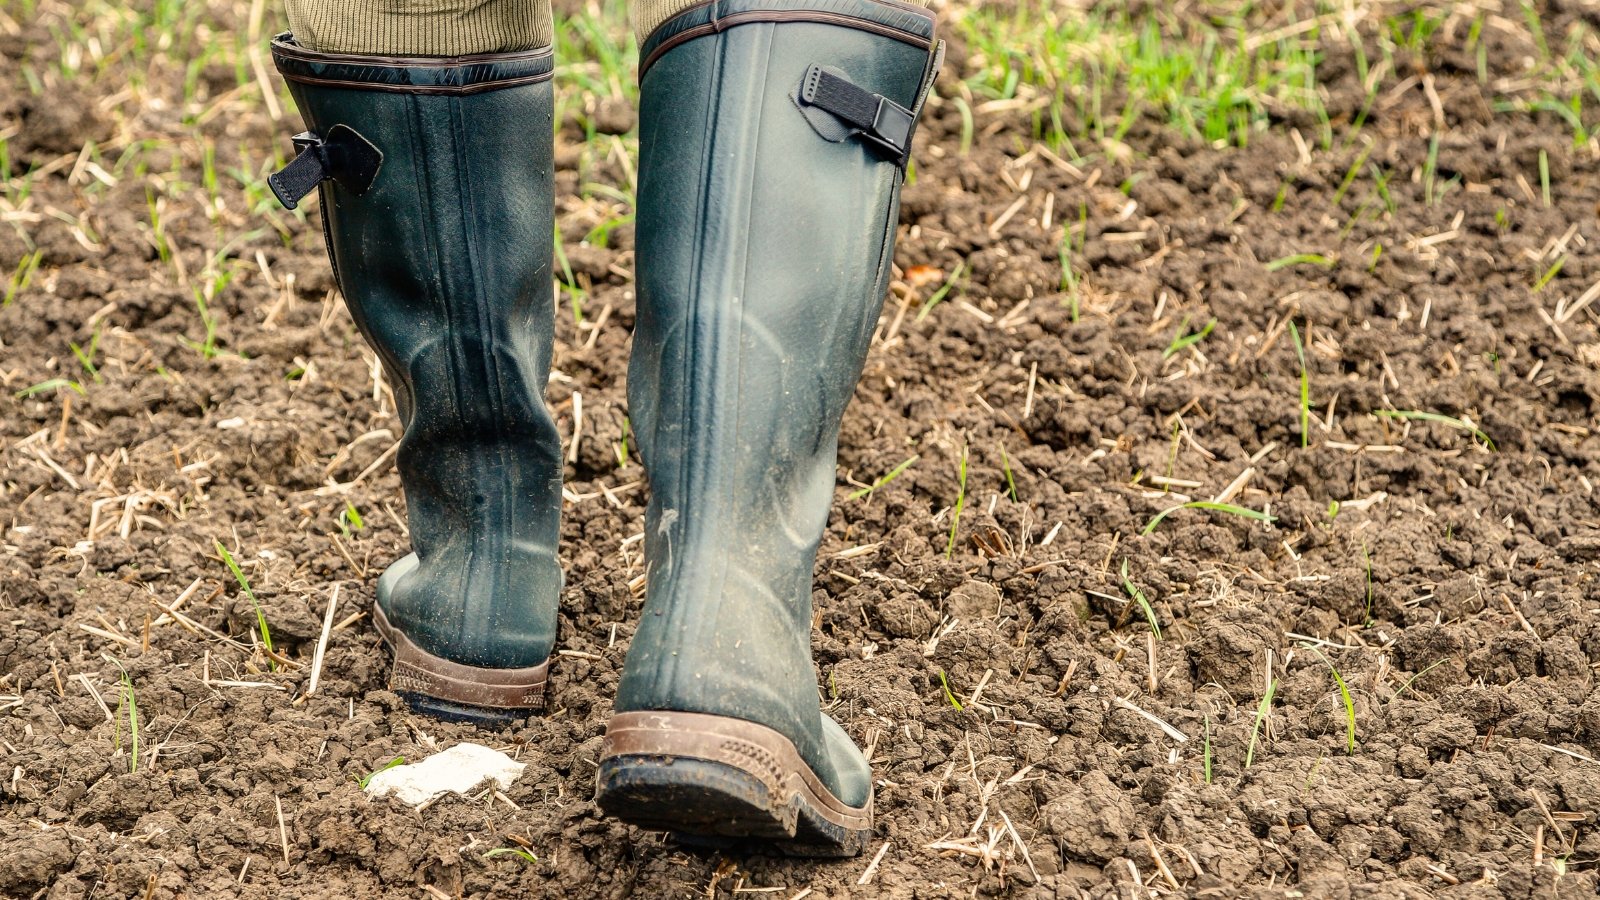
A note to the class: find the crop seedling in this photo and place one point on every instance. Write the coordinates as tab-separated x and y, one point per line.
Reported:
1407	685
1069	275
1005	464
961	500
622	445
1422	416
1183	339
1367	558
1430	170
945	683
367	779
49	385
86	356
568	283
1349	705
1305	386
884	479
1228	508
131	703
350	519
1139	597
261	616
1262	710
1205	759
1351	173
1298	259
942	292
1172	453
1544	177
1380	183
1553	271
522	853
21	276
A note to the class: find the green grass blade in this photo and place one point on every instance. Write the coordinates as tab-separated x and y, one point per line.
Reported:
244	584
1228	508
891	475
1344	695
1139	597
1261	717
397	761
1314	259
1305	387
942	292
947	695
1423	416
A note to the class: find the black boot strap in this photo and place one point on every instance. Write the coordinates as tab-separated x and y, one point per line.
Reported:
344	155
874	118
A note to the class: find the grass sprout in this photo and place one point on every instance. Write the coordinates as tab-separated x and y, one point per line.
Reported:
1344	696
1228	508
885	478
1413	415
1553	271
244	584
1262	710
1183	339
21	277
49	385
521	852
961	501
1300	259
131	702
1367	558
942	292
367	779
1305	386
1139	597
1407	685
945	683
1005	464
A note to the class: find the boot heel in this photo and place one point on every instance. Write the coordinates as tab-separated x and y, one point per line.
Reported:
706	777
456	693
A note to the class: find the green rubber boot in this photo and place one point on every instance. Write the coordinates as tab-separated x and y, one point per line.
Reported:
437	207
773	136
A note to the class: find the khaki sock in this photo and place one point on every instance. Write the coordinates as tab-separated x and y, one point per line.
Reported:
420	27
647	15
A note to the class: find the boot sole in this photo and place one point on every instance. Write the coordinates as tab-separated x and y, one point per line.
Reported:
715	781
447	690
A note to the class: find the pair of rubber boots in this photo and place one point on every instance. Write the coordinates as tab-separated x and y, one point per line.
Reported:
773	140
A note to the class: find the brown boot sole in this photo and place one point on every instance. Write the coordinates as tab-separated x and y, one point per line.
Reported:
701	776
448	690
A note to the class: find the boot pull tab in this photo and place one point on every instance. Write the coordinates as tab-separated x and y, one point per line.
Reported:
882	123
344	155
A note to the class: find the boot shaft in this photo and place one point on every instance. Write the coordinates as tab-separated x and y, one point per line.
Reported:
437	207
772	136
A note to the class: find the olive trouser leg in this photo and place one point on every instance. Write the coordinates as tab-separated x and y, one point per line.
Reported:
420	27
448	27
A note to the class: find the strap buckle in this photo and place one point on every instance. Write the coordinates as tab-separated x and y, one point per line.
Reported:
891	128
344	155
880	122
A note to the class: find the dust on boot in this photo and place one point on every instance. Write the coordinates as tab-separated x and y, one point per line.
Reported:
773	138
436	196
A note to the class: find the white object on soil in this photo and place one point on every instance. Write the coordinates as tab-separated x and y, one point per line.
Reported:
462	769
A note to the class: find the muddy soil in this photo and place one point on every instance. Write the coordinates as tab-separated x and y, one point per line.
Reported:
1030	733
